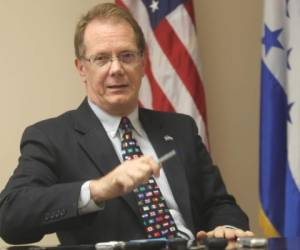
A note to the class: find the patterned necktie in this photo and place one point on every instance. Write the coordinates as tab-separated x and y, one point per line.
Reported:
157	220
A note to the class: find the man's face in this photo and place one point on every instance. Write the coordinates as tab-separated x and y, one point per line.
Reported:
113	86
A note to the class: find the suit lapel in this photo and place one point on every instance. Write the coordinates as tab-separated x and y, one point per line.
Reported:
97	145
163	143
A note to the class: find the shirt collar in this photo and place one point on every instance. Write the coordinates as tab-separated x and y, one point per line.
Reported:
111	123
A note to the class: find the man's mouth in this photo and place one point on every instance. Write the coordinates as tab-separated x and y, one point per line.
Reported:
117	86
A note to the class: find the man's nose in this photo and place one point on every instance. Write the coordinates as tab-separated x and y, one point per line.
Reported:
116	66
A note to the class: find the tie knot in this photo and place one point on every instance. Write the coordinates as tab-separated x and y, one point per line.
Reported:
125	124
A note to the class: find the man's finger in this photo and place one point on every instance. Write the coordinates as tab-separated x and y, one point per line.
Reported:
219	232
201	235
230	234
249	233
240	233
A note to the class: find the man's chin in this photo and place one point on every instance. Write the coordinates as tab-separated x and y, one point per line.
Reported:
123	106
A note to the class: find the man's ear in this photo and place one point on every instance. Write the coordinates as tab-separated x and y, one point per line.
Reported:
81	69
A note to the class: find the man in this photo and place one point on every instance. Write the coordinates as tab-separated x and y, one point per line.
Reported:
72	179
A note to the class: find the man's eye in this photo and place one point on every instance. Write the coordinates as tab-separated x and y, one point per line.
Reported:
101	58
127	57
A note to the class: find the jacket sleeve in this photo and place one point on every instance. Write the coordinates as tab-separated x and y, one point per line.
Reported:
212	205
33	202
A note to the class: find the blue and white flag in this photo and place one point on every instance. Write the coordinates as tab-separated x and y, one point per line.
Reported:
280	119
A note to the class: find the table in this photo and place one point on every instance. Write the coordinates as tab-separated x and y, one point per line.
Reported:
273	244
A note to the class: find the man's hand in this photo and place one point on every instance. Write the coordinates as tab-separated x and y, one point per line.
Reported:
124	178
224	232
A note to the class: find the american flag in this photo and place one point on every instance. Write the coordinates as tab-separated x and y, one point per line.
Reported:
172	81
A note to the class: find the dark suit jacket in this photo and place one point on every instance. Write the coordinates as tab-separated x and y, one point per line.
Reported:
58	155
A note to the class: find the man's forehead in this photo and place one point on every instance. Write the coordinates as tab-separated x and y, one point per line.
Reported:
109	25
108	34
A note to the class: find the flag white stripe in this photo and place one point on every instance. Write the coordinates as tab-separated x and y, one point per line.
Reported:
292	87
274	60
182	24
145	94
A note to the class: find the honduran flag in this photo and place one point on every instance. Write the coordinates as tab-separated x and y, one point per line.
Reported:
172	79
280	119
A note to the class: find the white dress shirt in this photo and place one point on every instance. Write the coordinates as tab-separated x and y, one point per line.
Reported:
111	126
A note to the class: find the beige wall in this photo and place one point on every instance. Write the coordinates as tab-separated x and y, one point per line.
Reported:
38	80
229	39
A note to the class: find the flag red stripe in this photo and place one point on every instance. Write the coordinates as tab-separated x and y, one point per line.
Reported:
182	63
120	3
190	9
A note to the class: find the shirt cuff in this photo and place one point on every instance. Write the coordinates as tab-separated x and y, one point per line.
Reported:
85	203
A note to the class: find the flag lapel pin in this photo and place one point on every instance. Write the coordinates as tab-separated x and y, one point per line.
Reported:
168	138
